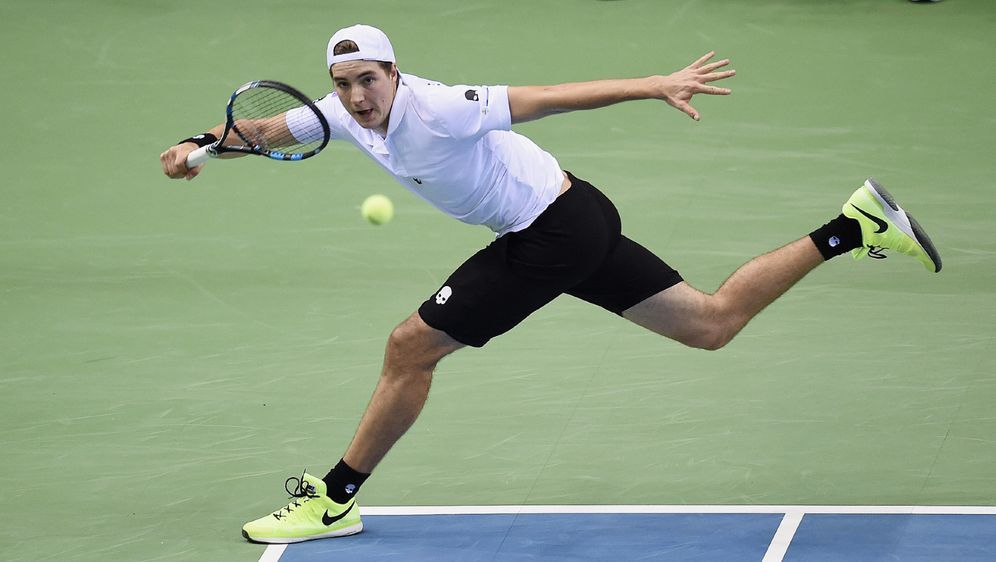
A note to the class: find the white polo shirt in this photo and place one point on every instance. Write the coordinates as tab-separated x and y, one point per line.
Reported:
453	147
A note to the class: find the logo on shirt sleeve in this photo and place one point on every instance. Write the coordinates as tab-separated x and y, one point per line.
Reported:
471	95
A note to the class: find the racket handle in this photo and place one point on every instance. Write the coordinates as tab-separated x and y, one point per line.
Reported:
198	157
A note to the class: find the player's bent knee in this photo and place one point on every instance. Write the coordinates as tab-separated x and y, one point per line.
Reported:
721	326
712	338
415	345
714	344
403	346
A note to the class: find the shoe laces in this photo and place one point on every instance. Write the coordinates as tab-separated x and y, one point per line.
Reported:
302	492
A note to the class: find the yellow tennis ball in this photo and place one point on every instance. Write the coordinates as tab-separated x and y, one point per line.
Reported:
377	209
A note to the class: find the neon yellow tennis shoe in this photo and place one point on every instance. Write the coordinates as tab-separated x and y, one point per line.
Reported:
311	515
886	226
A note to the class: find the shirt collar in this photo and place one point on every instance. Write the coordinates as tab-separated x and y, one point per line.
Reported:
401	97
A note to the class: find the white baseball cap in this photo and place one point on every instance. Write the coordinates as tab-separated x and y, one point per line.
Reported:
373	43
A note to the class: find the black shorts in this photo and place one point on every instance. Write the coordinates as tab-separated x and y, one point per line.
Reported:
575	246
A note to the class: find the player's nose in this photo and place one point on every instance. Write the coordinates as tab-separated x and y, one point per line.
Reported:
356	96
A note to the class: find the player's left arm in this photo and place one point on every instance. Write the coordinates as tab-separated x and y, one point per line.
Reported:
528	103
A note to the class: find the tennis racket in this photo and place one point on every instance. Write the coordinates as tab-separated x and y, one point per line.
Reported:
256	123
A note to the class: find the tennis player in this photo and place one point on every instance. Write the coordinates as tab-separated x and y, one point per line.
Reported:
556	234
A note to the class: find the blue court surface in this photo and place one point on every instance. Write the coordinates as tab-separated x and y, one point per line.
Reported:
720	533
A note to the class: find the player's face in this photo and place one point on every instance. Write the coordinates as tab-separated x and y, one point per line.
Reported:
366	91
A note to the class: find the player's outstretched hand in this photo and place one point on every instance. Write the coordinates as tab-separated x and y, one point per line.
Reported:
174	161
678	88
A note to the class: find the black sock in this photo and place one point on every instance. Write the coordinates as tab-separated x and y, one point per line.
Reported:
838	236
342	482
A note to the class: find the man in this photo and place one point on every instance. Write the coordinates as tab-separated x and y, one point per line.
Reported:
556	234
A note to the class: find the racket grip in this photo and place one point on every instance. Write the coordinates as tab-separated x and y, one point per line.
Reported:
198	157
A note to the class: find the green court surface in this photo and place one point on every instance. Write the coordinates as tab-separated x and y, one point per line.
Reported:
170	352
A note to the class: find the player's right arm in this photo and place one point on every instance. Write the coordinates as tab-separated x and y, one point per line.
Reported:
174	159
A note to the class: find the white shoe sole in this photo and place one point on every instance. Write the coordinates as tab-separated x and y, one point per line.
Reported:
345	531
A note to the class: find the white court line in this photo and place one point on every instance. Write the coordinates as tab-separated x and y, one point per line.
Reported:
783	537
273	552
843	509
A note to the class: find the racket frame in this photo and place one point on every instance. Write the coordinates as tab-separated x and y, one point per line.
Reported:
217	148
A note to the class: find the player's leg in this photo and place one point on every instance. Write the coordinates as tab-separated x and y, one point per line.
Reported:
640	286
413	351
871	221
710	321
324	507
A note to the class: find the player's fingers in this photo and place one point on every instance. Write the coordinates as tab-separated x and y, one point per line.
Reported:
166	163
701	60
180	162
715	91
714	65
174	167
717	76
687	109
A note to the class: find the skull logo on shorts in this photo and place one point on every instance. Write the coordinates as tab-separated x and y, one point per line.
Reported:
443	295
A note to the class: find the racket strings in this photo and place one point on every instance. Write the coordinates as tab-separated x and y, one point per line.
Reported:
259	122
